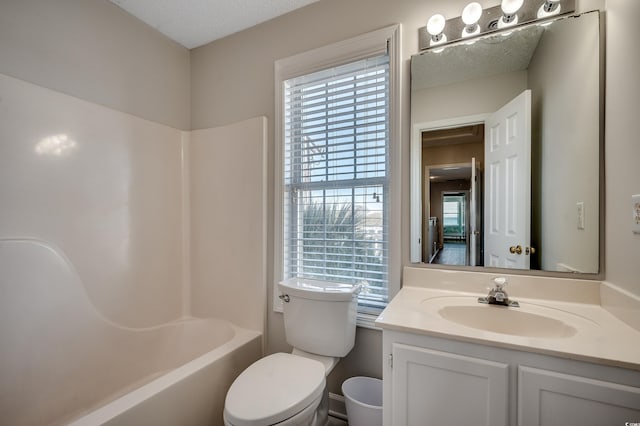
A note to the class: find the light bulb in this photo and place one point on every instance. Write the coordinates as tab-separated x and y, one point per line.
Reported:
470	16
471	13
435	27
551	4
435	24
509	7
549	8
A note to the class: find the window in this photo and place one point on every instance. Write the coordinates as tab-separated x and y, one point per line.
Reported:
336	142
451	213
334	192
453	220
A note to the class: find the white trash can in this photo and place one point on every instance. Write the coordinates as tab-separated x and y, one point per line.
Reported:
363	400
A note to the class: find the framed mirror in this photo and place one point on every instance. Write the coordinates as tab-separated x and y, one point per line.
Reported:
506	150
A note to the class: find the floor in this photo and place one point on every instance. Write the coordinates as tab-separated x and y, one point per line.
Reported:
453	253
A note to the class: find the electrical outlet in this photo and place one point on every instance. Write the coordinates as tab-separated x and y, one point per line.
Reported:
635	208
580	206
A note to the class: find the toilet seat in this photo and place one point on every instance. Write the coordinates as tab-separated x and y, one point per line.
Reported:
274	389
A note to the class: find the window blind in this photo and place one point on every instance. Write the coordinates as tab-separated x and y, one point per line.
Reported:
336	182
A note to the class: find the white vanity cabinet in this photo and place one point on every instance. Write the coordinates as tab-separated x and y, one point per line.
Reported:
437	381
432	387
549	398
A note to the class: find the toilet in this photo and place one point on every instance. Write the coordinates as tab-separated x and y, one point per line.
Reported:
290	388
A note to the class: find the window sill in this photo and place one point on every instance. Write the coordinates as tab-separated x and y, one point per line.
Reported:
367	321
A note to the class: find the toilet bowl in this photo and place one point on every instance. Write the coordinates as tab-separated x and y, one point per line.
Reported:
290	389
280	389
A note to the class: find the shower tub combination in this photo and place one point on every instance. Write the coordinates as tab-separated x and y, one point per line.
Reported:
61	362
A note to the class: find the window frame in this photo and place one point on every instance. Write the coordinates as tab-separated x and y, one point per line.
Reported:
360	47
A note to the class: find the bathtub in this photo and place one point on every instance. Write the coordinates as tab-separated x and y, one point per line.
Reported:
188	387
61	362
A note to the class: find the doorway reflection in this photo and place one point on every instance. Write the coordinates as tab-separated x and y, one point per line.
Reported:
452	201
452	253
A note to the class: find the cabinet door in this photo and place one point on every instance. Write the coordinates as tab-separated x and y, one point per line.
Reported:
547	398
443	389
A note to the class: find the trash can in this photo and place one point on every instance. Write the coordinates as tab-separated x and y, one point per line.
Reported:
363	400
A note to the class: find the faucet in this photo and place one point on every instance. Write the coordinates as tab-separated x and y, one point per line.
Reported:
498	295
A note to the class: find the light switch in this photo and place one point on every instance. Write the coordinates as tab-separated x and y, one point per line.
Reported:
580	206
635	208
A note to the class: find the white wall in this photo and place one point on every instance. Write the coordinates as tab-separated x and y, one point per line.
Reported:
564	79
228	222
110	202
119	203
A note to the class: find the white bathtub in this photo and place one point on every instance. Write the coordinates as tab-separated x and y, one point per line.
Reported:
190	388
61	362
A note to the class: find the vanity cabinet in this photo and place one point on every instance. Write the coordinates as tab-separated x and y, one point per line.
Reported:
549	398
432	387
437	381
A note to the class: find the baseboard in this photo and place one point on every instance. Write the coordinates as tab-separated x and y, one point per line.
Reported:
337	408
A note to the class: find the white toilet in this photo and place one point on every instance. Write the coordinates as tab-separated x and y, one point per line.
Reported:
289	389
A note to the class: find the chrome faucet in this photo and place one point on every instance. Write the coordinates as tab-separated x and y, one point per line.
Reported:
498	295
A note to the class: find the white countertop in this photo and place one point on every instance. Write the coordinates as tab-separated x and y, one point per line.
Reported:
599	336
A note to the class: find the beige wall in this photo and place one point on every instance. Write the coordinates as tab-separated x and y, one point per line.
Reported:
453	154
478	96
233	79
564	79
622	143
93	50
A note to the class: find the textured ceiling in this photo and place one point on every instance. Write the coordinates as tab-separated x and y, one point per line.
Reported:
492	55
193	23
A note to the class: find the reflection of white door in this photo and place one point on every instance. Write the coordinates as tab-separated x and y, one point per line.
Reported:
427	248
474	217
507	202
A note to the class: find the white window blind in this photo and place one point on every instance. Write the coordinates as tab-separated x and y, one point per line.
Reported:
336	180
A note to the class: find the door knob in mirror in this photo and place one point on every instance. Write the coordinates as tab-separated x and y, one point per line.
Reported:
515	249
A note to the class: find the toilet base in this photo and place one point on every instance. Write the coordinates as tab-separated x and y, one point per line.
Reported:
322	413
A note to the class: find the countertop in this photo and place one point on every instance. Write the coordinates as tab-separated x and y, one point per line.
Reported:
599	336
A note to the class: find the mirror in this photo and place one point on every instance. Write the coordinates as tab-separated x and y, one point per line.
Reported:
506	150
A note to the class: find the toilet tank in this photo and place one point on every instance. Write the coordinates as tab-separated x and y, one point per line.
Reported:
319	316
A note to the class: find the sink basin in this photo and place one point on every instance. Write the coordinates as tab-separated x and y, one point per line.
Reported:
499	319
529	320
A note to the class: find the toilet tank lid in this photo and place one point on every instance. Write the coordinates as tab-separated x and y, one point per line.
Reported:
319	290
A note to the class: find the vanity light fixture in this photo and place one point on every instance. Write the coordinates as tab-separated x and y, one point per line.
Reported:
549	8
477	21
510	9
470	16
435	27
